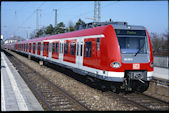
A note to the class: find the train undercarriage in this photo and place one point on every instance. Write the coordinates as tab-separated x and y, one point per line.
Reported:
133	81
129	84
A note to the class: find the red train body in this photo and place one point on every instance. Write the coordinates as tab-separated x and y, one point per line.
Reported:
119	54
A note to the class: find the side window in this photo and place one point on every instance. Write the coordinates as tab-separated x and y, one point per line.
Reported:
98	44
47	47
43	46
81	49
31	47
39	46
57	47
34	46
72	47
77	49
60	47
53	47
88	46
66	48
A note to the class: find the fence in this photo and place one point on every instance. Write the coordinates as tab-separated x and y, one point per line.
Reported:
161	61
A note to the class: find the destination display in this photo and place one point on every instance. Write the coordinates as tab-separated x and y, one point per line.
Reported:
130	32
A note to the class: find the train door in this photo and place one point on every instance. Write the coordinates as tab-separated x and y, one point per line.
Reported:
34	46
61	51
46	49
39	48
79	52
50	50
30	47
26	47
16	46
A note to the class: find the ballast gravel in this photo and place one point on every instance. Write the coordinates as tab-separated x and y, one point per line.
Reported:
93	99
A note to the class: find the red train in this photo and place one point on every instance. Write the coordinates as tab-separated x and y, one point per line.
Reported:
118	55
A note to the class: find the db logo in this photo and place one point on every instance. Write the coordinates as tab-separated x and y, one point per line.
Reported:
136	66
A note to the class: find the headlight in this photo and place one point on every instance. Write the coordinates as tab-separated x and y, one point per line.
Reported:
151	64
115	64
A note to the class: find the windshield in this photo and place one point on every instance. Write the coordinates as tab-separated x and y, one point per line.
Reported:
132	41
132	44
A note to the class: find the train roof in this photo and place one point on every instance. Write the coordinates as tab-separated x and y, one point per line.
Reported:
79	33
116	25
87	32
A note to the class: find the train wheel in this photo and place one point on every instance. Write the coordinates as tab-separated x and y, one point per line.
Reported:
143	87
140	87
114	89
90	81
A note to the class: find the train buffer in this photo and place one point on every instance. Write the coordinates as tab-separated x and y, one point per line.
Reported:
15	94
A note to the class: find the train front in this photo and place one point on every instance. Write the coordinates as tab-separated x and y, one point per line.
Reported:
136	57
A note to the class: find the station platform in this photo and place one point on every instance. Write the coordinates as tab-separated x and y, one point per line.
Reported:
15	94
161	73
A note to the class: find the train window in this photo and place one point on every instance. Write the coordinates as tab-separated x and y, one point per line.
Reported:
62	47
77	49
34	46
25	47
66	48
72	47
98	44
43	46
39	45
53	47
88	46
57	47
81	49
47	47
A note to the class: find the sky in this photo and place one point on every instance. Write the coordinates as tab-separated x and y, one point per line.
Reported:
19	18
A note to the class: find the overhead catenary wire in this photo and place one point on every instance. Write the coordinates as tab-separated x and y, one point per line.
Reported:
25	21
77	16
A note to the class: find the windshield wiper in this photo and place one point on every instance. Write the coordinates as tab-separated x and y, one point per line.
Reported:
139	50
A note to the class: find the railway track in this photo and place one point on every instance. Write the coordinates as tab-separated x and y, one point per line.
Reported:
142	101
52	97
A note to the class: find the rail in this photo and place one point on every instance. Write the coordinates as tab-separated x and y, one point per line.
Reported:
53	97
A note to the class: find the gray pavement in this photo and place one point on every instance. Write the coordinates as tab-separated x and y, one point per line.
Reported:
15	94
162	73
